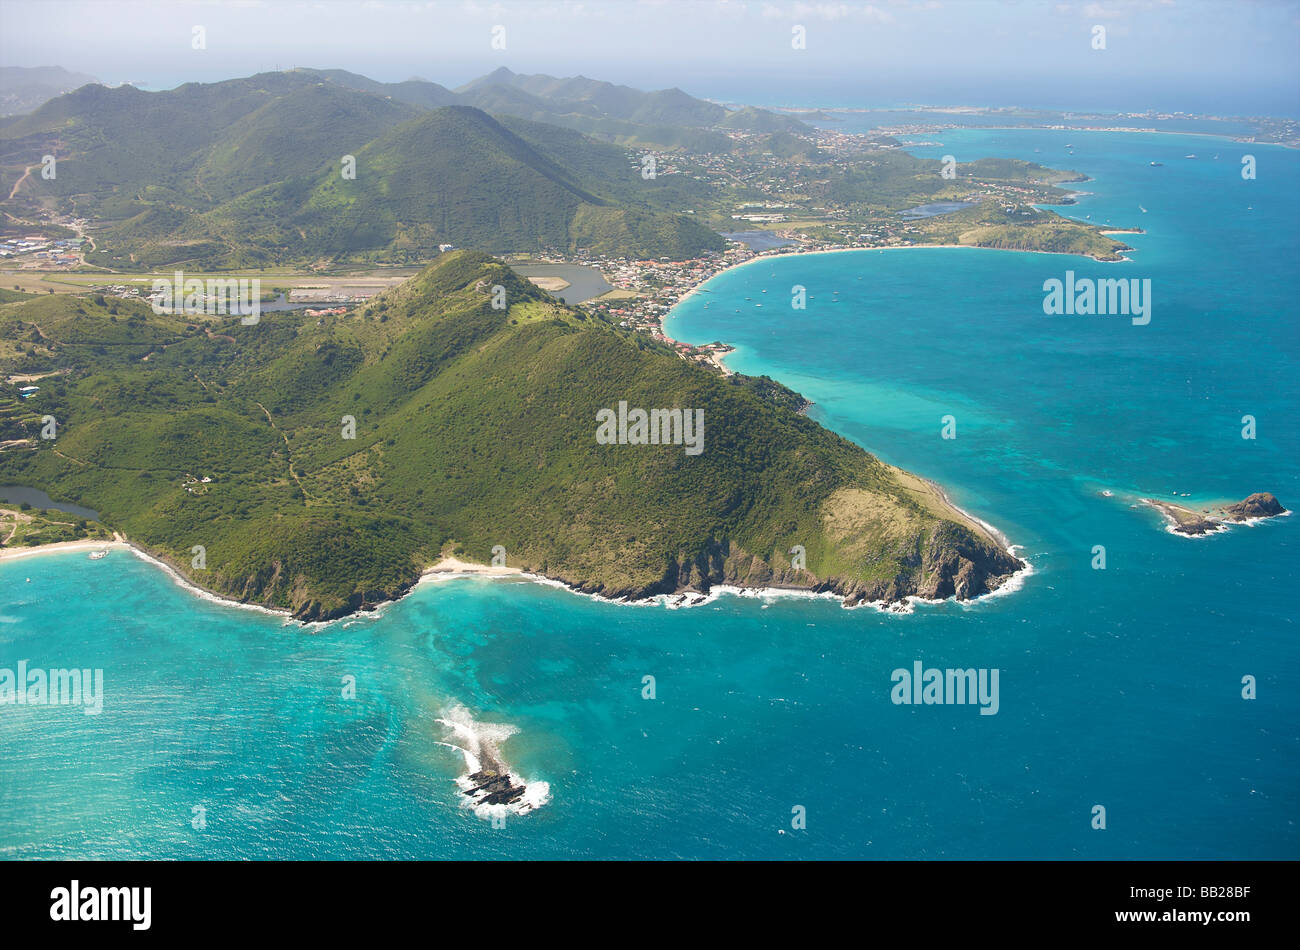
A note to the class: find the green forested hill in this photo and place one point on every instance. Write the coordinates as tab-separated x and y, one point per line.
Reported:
579	95
761	120
474	427
249	172
454	176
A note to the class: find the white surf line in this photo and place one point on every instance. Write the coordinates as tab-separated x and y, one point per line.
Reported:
483	741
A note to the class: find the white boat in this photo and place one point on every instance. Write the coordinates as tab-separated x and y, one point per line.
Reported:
96	555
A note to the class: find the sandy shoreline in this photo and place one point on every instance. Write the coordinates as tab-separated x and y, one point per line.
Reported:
452	565
13	554
717	360
994	534
120	543
762	257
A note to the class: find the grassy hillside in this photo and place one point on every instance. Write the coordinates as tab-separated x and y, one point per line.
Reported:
453	176
761	120
253	175
474	427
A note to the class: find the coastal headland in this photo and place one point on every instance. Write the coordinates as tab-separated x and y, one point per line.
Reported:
329	524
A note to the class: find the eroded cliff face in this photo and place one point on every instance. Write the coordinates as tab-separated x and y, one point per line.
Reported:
950	561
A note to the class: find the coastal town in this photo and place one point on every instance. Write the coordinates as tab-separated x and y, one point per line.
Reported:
776	212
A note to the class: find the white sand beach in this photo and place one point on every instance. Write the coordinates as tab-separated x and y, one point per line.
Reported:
11	554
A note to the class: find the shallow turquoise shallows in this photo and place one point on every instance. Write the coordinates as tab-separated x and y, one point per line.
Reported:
225	733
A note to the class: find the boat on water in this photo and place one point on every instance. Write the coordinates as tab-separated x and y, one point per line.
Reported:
1189	156
1142	209
96	555
1156	164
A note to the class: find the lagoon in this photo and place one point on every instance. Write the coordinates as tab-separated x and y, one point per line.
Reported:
585	283
18	494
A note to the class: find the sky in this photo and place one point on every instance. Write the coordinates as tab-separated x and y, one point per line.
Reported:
1223	56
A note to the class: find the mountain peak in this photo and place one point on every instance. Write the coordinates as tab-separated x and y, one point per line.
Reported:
502	75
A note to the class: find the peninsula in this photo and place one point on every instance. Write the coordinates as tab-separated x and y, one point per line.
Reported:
321	464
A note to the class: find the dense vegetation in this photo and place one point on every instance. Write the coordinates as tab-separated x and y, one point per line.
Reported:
25	526
474	427
252	175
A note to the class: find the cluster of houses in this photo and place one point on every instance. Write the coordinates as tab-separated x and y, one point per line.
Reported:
195	485
41	248
119	290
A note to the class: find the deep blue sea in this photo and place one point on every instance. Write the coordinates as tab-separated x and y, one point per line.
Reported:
225	733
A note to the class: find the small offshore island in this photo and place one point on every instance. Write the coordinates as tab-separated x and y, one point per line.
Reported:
1190	523
320	465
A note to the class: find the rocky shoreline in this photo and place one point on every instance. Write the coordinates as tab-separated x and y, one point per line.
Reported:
954	564
490	787
1190	523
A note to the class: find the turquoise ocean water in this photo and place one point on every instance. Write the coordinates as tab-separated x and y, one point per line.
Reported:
1118	687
